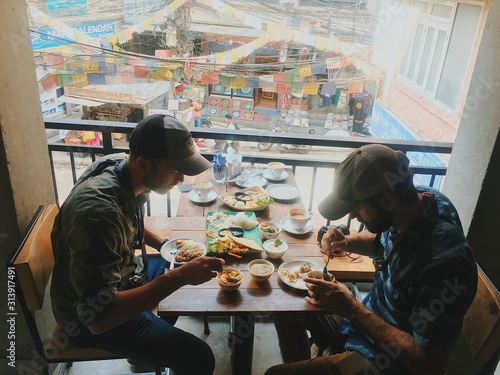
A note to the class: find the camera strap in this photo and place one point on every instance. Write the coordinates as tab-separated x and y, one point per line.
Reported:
140	217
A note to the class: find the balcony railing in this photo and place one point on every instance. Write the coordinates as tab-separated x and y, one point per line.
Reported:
294	161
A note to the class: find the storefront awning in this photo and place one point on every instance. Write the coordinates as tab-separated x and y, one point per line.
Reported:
81	101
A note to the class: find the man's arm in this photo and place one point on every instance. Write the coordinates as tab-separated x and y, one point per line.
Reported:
152	239
398	345
130	303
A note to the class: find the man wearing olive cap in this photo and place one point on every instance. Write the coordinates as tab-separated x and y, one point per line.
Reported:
98	297
425	276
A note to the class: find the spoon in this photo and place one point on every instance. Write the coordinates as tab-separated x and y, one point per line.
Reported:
345	230
326	275
173	250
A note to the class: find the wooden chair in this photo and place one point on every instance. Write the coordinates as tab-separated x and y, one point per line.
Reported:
33	262
481	330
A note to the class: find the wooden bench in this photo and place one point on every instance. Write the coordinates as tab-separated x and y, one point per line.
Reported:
33	262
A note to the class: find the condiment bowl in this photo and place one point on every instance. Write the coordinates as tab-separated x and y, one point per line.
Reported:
269	230
274	250
260	269
229	279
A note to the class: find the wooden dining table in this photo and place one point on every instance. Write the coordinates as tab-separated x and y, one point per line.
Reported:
252	299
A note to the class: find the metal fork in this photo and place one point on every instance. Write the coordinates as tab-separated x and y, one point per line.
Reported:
245	179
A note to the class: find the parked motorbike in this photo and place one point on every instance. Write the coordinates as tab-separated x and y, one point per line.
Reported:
206	121
299	149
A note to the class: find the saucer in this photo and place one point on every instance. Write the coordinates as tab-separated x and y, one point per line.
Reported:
281	177
283	192
285	224
193	196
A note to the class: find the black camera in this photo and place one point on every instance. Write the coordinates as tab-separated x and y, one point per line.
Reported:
343	228
137	279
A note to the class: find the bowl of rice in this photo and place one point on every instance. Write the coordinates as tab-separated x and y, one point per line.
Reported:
187	249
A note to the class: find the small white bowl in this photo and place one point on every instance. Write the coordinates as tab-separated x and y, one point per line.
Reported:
274	252
269	235
229	286
260	269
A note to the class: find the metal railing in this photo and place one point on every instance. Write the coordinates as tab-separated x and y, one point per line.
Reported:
108	147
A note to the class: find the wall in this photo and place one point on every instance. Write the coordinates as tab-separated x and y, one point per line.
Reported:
25	181
473	174
428	120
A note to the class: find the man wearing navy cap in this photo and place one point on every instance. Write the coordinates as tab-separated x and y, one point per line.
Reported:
98	296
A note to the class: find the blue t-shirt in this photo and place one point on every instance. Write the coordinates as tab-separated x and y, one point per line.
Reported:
428	285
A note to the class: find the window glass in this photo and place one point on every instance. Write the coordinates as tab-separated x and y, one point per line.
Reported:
415	51
442	11
436	61
421	6
459	51
426	56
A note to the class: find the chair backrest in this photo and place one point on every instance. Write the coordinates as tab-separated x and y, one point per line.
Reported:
33	261
481	327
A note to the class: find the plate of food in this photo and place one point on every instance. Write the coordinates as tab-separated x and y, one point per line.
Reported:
293	272
223	224
253	198
187	249
223	237
234	246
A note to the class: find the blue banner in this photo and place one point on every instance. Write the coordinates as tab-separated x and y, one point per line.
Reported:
384	125
64	8
93	29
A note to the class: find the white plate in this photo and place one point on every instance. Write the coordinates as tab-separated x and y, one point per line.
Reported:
283	192
193	196
165	248
285	224
293	266
282	176
254	181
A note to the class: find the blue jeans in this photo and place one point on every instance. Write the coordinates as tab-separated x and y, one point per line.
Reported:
151	339
197	122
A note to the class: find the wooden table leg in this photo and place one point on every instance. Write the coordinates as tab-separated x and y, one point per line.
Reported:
243	344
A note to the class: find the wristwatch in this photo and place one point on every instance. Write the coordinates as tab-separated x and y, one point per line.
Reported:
165	240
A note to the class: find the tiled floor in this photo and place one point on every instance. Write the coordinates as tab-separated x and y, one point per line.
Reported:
266	350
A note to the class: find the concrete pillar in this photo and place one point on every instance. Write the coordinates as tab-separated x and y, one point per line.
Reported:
25	177
473	177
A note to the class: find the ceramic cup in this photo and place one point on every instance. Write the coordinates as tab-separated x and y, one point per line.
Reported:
298	218
202	189
275	168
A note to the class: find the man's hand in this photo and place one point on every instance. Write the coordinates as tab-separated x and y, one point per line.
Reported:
330	295
200	270
333	241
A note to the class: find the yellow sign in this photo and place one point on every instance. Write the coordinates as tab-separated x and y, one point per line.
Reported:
100	94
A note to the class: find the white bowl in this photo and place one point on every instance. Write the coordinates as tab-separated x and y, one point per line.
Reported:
269	235
229	286
260	269
274	252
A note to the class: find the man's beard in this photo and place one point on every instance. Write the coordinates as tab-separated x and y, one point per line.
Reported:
160	189
382	223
